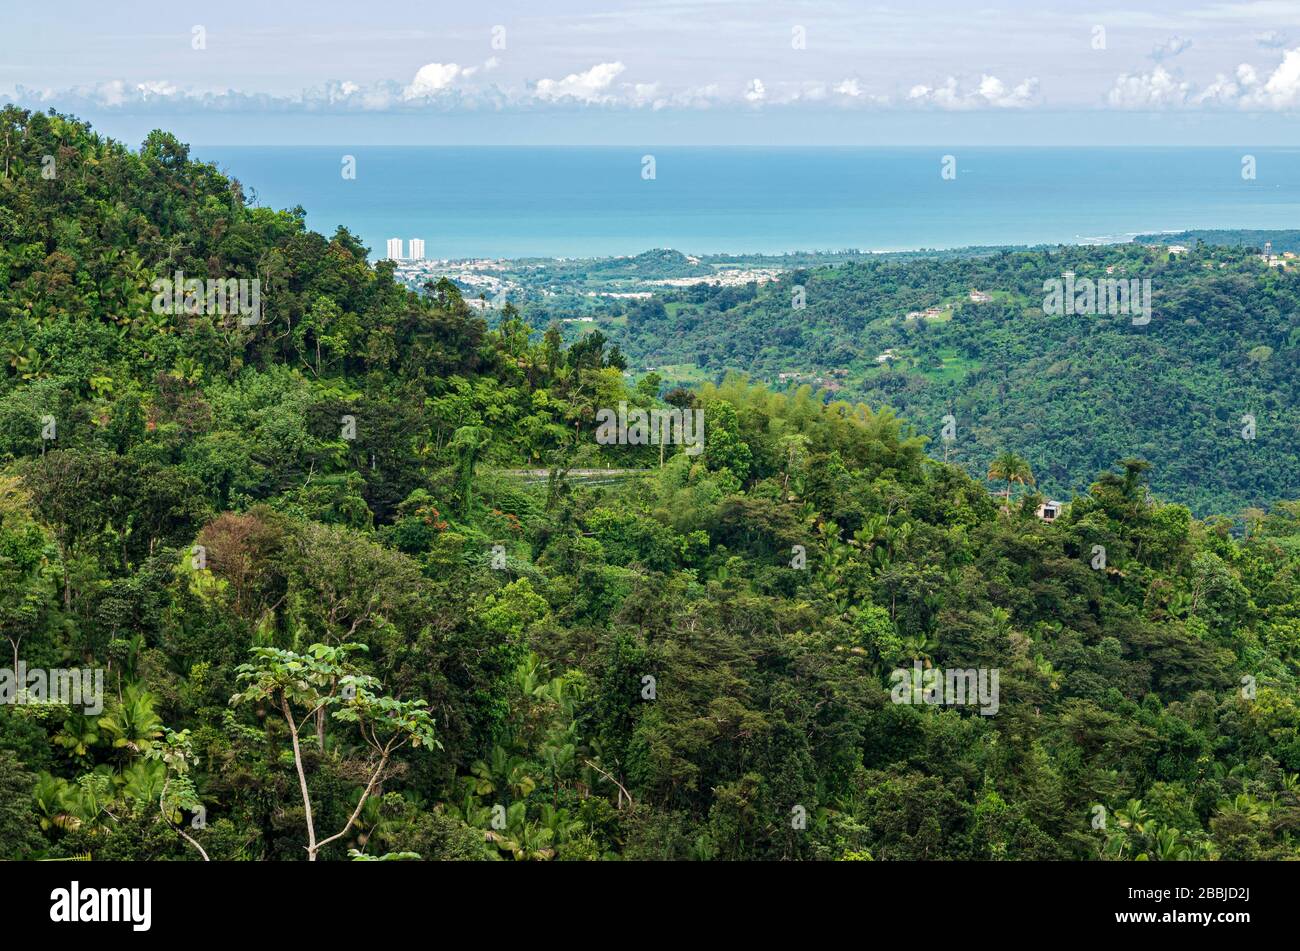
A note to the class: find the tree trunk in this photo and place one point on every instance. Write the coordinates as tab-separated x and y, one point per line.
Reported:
379	771
302	779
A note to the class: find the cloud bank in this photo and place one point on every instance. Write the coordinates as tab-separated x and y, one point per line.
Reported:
451	86
1241	89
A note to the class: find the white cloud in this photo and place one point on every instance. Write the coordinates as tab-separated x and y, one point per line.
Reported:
431	79
339	92
996	94
1274	87
1282	88
1171	48
116	92
853	95
111	93
1226	91
694	97
1154	90
812	92
990	93
590	86
646	94
1243	89
157	88
1271	40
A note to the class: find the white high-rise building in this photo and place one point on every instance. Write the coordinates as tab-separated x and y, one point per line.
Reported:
395	248
417	249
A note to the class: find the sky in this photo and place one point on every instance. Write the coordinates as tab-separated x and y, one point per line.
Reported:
706	72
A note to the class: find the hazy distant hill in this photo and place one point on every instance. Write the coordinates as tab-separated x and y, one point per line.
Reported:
1282	240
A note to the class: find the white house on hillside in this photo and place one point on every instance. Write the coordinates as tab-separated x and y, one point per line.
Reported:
1049	510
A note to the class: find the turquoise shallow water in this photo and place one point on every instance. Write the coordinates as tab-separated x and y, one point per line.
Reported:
578	202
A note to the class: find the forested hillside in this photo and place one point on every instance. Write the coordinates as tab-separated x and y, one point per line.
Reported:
334	620
1071	393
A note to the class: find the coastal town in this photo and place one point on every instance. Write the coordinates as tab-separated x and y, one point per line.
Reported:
490	283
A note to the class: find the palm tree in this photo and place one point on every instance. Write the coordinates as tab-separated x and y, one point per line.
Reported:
1025	475
54	803
1166	846
78	735
1244	807
1011	468
132	722
1290	790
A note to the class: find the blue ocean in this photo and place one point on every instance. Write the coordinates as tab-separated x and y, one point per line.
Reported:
584	202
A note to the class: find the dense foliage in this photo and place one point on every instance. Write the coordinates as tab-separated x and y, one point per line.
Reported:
385	638
1072	393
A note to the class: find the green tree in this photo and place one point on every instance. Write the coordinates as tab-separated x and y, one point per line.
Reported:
325	678
1010	468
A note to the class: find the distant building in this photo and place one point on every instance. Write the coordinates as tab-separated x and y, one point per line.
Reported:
395	249
1276	260
1176	249
979	297
417	249
1049	510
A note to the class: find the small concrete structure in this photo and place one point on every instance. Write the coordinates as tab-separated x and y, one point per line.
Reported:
1049	510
